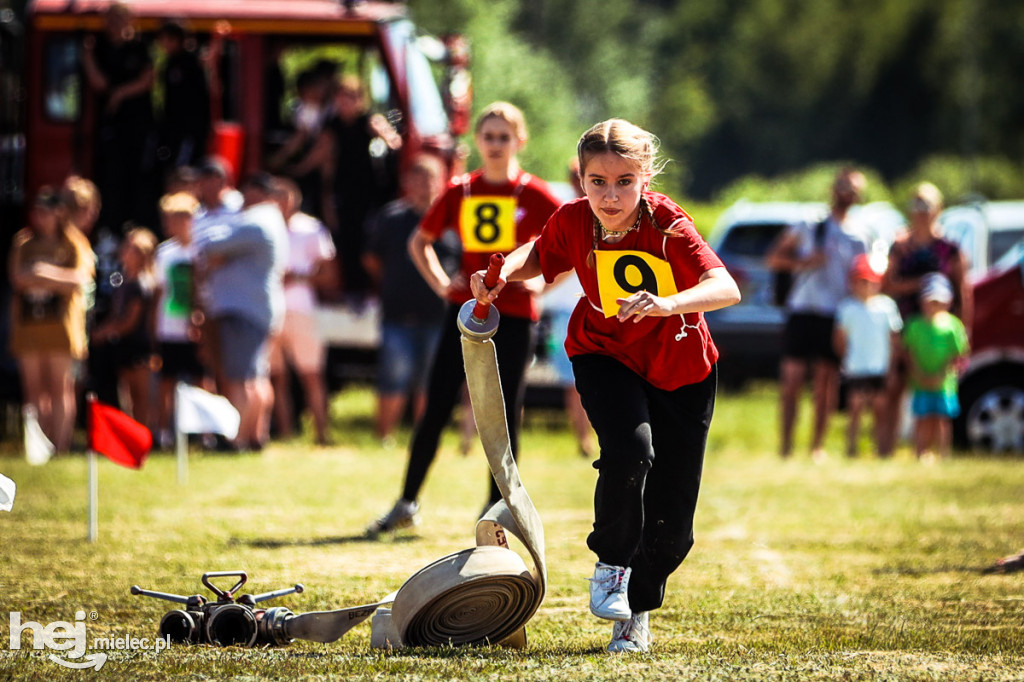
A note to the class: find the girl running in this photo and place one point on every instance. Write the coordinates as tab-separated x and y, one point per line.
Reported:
644	362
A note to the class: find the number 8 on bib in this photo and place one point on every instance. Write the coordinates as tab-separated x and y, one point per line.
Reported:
487	224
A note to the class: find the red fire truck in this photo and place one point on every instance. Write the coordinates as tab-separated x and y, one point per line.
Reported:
419	83
374	38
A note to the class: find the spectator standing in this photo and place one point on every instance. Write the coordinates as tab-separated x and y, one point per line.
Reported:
126	331
866	335
936	343
410	312
494	210
82	199
922	250
50	267
305	156
175	296
819	256
246	260
362	181
119	69
185	121
218	199
219	203
300	344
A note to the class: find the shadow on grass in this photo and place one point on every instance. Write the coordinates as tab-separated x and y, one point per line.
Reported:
275	543
914	571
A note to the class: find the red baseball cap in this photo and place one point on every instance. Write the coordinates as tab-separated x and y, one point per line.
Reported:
861	269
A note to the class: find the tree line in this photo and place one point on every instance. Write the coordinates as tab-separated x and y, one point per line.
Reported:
741	88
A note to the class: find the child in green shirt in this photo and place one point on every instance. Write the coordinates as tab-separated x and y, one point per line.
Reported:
936	342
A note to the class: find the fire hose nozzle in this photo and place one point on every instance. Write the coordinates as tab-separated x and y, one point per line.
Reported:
480	320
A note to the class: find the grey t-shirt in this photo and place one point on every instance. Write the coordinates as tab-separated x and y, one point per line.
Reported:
249	282
820	290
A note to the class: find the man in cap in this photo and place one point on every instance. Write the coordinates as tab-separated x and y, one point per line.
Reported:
246	260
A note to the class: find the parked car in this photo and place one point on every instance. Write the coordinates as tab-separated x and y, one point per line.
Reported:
991	234
749	334
984	230
992	386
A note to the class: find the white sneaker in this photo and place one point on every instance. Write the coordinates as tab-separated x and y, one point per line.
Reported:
609	596
402	515
631	635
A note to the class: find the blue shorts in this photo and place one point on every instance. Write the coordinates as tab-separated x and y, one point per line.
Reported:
244	353
935	404
403	360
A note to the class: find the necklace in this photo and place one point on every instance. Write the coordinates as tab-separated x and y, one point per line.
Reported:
607	234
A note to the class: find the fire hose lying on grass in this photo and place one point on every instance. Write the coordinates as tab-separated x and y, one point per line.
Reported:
482	595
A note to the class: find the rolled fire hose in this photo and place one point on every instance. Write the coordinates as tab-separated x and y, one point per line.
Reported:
482	595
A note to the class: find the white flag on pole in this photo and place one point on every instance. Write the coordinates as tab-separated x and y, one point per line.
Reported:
38	448
202	412
7	489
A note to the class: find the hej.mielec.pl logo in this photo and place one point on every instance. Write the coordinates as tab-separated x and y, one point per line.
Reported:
71	637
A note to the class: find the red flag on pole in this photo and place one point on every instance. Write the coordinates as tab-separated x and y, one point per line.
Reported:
117	436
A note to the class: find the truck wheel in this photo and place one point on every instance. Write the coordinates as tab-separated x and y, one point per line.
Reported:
992	410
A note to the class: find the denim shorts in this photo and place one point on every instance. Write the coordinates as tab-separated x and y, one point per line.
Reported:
403	361
559	358
244	353
935	404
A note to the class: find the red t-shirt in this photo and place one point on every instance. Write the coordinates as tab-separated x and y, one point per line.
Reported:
492	219
668	352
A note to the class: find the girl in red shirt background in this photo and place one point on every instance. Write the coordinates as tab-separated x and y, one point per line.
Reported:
494	210
644	363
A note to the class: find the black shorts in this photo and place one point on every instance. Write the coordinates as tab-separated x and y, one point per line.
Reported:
179	361
132	352
866	384
808	336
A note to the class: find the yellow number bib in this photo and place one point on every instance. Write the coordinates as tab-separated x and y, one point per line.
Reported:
623	273
488	224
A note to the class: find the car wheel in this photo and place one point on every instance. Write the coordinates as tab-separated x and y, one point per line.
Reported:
992	410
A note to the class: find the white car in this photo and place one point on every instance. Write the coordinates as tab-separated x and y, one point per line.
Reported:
985	231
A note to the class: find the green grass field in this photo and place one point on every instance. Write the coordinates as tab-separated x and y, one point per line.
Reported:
862	569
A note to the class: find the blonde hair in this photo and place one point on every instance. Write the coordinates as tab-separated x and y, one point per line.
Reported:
80	194
622	138
929	193
145	242
507	112
179	203
628	141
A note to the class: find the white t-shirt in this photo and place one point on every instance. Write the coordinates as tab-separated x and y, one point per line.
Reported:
868	326
309	244
174	276
820	290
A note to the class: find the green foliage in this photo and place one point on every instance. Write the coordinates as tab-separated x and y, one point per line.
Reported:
758	87
810	184
961	179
